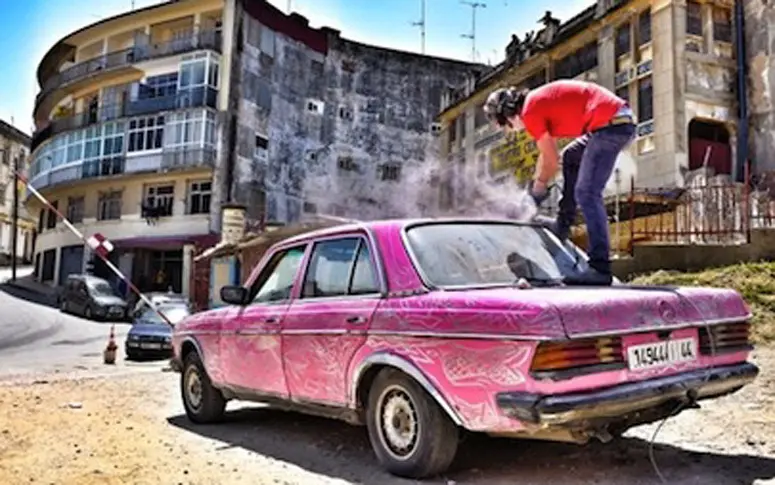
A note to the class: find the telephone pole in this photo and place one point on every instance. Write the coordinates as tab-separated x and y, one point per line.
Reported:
472	35
421	24
15	221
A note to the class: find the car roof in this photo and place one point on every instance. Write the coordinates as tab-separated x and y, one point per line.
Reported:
398	224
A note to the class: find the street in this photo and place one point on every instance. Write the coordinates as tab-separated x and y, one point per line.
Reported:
37	339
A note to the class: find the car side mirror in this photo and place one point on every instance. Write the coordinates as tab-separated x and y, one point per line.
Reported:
234	295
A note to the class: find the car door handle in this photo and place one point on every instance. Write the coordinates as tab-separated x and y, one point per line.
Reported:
356	320
270	320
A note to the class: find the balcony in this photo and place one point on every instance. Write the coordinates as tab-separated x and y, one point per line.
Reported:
163	161
199	97
115	61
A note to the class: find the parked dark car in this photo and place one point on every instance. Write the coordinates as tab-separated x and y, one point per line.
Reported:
93	298
150	336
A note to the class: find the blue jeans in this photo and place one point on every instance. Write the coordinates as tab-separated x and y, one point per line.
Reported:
587	164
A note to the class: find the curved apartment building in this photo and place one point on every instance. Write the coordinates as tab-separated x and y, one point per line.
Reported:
126	141
148	122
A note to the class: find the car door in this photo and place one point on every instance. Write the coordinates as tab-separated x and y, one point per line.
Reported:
251	341
327	324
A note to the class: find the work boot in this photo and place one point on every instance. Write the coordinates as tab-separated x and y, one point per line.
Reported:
589	277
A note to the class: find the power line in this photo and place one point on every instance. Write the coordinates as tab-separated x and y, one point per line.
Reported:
421	24
472	35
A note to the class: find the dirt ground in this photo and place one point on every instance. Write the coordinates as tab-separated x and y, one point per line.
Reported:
130	429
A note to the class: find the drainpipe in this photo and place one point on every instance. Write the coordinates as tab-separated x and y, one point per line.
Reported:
742	93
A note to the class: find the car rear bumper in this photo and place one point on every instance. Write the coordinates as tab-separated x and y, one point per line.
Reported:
623	399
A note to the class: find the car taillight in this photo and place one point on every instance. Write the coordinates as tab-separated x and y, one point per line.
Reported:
577	354
728	337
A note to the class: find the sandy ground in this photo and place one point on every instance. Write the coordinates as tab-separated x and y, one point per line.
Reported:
130	429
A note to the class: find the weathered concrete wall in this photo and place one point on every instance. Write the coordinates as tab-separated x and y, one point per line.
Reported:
343	130
760	47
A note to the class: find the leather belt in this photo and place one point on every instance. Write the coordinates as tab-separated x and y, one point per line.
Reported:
621	120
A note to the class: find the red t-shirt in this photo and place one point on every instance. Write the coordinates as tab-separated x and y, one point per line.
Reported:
568	109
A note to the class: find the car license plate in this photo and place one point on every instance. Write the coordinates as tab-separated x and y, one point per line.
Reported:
660	354
150	346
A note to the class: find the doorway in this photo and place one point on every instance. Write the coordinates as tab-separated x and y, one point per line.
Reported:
709	144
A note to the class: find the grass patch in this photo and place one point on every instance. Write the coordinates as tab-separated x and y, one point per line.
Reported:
754	281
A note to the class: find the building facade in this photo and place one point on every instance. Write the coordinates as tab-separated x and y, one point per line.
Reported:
674	61
149	122
14	150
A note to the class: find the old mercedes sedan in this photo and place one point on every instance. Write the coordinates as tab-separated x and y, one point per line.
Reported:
419	329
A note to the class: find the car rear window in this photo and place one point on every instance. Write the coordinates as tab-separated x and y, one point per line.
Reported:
483	254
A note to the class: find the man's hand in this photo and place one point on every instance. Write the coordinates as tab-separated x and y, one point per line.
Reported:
538	191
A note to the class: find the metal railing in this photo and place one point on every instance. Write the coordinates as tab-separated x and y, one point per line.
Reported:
198	97
208	39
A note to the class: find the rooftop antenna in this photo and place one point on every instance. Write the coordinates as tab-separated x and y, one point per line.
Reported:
472	35
289	7
421	24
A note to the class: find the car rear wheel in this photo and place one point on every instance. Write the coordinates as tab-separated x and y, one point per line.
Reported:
203	402
410	434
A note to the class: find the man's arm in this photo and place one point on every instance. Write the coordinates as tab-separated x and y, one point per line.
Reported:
548	161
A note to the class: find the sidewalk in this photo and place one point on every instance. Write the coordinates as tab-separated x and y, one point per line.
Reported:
27	288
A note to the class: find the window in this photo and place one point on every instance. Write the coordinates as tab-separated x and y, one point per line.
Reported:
624	93
339	267
114	139
623	40
275	282
109	206
262	145
199	194
315	106
479	118
345	113
644	27
92	143
645	100
579	62
74	147
146	134
722	24
161	86
537	79
161	198
693	18
75	209
347	164
455	253
185	129
453	130
391	171
198	77
51	220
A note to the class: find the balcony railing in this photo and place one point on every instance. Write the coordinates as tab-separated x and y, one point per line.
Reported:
198	97
180	159
208	39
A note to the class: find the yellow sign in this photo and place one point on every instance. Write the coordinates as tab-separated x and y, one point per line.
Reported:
518	153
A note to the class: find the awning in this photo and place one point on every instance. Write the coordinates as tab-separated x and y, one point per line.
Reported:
165	242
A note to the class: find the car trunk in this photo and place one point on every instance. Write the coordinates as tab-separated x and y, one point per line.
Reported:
627	309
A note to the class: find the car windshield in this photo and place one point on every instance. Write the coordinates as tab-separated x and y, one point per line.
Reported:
101	288
472	254
174	313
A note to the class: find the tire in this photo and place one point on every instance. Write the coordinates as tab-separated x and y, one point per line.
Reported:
210	405
431	449
87	313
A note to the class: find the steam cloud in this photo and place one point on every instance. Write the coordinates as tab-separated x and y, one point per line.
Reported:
417	193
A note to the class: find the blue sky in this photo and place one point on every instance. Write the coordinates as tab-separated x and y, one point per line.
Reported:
29	27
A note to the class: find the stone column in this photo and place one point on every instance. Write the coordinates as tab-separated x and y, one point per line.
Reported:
188	265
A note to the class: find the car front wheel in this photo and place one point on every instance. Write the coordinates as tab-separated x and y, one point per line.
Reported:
203	402
410	434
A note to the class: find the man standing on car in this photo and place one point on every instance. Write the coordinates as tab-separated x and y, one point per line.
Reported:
602	125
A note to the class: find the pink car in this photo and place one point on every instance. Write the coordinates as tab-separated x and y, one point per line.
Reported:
421	328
